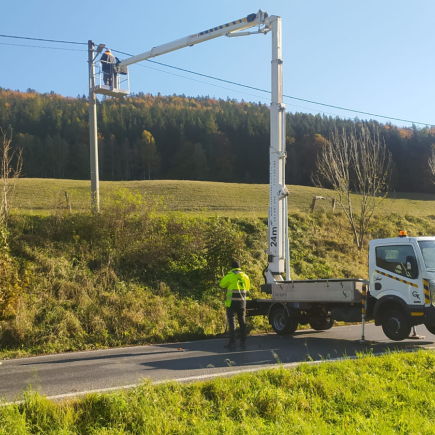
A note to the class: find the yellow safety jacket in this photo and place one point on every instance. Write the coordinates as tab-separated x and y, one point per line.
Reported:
237	284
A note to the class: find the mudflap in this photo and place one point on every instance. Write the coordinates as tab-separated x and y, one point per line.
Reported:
346	313
257	307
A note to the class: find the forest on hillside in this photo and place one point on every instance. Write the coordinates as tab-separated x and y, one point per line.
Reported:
181	138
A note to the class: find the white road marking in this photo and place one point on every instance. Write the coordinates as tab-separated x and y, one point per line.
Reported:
199	377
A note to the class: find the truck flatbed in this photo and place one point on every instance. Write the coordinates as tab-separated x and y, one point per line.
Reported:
319	290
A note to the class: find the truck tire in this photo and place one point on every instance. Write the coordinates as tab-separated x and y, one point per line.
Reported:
322	324
395	325
431	328
281	323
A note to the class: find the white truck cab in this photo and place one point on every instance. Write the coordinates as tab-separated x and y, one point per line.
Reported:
402	283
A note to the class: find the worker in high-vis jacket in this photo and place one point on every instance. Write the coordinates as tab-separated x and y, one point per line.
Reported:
237	284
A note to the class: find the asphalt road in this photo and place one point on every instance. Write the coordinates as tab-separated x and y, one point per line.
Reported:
71	374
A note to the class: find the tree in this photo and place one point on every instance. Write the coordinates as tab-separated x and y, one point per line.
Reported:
355	162
190	162
200	170
10	170
224	241
222	158
431	163
10	287
150	156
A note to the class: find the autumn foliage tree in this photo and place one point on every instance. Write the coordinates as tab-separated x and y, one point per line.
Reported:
149	154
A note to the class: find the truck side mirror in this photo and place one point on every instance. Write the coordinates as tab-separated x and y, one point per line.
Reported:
411	266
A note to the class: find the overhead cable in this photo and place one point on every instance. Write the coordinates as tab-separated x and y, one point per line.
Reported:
45	40
243	92
287	96
291	97
222	80
40	46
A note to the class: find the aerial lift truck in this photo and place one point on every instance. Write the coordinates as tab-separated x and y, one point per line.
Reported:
400	291
399	294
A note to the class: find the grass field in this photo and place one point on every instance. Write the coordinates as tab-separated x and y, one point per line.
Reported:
389	394
44	196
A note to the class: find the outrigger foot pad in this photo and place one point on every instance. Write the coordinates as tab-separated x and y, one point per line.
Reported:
415	336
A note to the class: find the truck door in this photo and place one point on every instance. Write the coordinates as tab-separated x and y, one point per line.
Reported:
395	272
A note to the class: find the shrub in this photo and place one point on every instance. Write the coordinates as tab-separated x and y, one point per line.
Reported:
11	286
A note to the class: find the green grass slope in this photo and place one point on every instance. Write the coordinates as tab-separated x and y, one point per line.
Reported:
131	275
44	196
390	394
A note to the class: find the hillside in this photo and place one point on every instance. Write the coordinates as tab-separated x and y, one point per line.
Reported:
146	137
45	196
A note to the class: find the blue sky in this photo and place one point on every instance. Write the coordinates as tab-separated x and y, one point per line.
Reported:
371	56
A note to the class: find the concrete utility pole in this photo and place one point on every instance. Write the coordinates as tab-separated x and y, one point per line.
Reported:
95	181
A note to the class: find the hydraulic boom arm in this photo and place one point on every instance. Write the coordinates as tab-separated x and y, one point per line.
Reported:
259	19
277	223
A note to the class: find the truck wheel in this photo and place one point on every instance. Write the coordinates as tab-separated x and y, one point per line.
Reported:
395	325
431	328
322	324
281	323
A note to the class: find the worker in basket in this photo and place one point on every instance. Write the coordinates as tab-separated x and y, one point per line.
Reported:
107	63
237	284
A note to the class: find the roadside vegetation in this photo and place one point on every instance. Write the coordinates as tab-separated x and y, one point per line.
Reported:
135	274
389	394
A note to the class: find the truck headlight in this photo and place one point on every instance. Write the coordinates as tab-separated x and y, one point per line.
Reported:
432	291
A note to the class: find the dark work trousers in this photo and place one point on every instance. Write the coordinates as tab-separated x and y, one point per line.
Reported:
239	308
108	79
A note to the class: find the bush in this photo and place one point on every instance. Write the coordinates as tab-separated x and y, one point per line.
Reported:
11	286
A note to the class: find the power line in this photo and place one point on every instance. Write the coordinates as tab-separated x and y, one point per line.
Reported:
291	97
45	40
219	79
287	96
197	81
40	46
235	90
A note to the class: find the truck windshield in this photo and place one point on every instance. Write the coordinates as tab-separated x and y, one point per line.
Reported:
428	252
